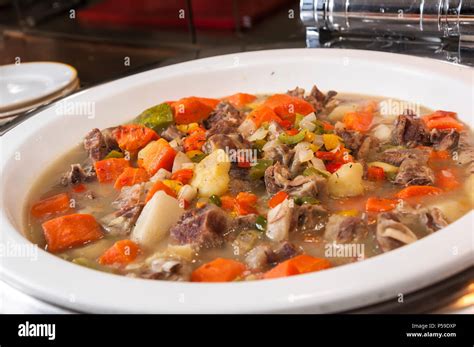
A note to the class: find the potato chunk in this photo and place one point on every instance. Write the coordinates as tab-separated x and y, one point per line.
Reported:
157	217
347	181
211	175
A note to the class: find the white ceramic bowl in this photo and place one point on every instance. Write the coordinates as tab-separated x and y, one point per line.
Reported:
30	147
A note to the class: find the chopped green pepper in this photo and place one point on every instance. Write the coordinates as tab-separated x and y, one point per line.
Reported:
310	171
261	223
319	130
258	170
306	200
292	139
114	154
198	157
298	118
216	200
156	117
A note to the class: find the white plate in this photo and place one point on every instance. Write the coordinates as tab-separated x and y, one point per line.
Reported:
33	145
22	84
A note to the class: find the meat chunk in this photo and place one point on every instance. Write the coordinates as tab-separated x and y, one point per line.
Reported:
122	222
226	142
412	172
172	133
279	221
279	153
410	131
261	256
352	139
277	177
391	233
465	153
308	217
167	269
98	144
130	196
246	222
77	174
433	219
285	250
396	156
341	229
201	226
298	92
225	119
444	140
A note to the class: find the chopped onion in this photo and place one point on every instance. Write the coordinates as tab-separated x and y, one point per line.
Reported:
318	164
382	132
260	134
187	192
303	152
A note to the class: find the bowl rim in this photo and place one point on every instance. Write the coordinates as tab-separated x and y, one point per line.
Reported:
294	294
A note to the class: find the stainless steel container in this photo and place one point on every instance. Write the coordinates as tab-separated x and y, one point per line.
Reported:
396	18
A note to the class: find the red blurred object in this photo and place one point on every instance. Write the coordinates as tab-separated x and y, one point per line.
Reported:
208	14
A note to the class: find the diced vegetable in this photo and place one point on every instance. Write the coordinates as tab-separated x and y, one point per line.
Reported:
347	181
157	217
218	270
261	223
258	170
416	191
239	100
469	188
156	155
359	121
108	170
292	139
387	168
380	205
122	252
227	202
259	134
184	175
325	155
134	137
300	264
70	231
192	109
383	133
157	117
196	156
277	199
114	154
159	186
131	176
195	141
315	171
439	155
211	176
263	114
216	200
443	120
181	161
245	203
287	106
52	205
331	141
375	173
79	188
338	112
447	179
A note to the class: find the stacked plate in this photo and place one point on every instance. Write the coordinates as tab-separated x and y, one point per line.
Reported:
27	86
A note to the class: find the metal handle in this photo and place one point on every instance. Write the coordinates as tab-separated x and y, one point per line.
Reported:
435	18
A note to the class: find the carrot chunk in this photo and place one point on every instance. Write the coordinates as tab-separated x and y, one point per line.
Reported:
195	141
380	205
375	173
131	176
122	252
192	109
156	155
358	121
277	199
184	176
133	137
416	191
239	100
157	187
108	170
298	265
287	106
70	231
263	114
245	203
218	270
227	202
443	120
54	204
